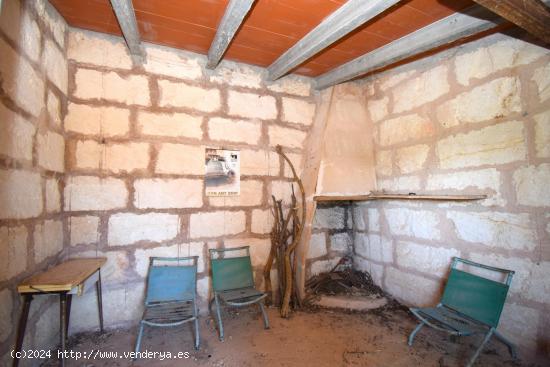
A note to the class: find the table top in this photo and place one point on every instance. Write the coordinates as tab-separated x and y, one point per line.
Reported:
62	277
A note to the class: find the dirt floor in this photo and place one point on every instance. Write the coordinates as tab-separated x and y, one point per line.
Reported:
308	338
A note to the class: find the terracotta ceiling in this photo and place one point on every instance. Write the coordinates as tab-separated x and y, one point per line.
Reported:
271	27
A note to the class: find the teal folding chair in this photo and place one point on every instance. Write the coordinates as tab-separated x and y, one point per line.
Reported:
171	295
471	305
233	283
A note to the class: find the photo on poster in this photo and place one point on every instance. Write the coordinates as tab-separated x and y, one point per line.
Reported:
222	172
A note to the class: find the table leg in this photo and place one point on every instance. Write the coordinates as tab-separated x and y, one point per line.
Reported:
99	301
69	302
27	298
63	324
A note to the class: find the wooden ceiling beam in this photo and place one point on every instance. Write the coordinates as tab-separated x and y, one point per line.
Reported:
531	15
347	18
126	17
471	21
232	19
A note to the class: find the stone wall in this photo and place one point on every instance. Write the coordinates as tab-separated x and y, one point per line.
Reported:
136	136
33	94
472	120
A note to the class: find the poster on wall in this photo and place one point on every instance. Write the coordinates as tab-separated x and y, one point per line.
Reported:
222	172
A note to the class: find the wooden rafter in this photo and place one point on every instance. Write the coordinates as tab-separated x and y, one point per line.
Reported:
531	15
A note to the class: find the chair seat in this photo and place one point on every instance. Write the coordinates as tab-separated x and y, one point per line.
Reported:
169	313
242	295
455	322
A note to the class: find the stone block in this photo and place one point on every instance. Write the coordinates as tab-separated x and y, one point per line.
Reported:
127	157
286	137
413	290
180	159
541	77
411	159
317	245
51	151
46	328
54	109
53	21
6	310
531	184
340	242
403	184
405	128
130	89
259	163
215	224
20	81
22	194
13	251
251	195
174	94
392	78
497	144
323	266
89	154
55	65
182	250
374	219
237	74
203	290
53	196
520	324
282	190
298	111
84	230
158	193
434	261
359	218
292	84
493	100
48	239
259	248
329	218
103	121
476	181
262	221
413	223
171	62
98	49
378	108
128	228
542	134
240	131
251	105
495	229
94	193
296	160
492	54
178	125
427	87
115	270
21	29
374	247
16	140
384	162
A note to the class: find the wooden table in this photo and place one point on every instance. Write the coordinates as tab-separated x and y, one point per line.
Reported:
68	278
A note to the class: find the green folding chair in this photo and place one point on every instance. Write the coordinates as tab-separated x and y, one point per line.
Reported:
233	283
471	305
171	295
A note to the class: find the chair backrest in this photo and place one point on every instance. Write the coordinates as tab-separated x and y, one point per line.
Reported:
173	280
230	271
477	297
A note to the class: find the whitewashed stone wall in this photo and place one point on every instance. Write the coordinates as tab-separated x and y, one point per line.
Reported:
33	95
136	136
473	120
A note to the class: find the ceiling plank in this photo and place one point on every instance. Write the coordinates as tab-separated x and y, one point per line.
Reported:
231	21
347	18
531	15
126	17
471	21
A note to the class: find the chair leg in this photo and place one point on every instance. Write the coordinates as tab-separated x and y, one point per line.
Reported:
508	343
197	332
138	341
264	315
478	350
219	315
414	332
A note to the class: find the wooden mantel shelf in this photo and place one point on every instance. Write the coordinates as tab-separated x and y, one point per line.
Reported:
387	196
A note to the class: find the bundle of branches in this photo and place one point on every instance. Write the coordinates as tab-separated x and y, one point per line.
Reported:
285	237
